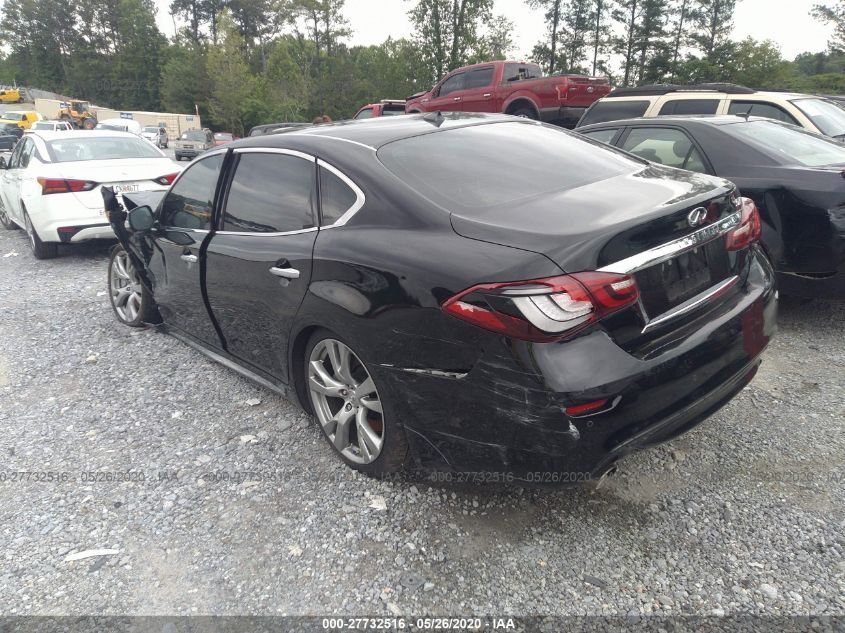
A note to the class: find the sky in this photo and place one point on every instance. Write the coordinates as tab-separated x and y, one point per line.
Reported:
786	22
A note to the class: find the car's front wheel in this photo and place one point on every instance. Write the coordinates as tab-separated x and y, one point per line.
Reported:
353	414
41	250
132	303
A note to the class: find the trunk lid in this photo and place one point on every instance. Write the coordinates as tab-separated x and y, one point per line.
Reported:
616	224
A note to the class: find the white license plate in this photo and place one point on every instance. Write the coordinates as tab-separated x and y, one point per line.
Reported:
130	188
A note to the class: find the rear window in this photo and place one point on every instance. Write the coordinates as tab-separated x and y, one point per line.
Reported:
391	110
194	136
43	126
791	145
520	72
539	160
613	110
13	116
152	128
73	149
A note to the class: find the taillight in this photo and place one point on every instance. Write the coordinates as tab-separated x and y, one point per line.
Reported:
63	185
166	180
749	229
544	309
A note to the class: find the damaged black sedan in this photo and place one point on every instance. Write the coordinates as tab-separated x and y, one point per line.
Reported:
469	293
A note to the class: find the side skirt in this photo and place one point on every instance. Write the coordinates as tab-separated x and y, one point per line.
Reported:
283	390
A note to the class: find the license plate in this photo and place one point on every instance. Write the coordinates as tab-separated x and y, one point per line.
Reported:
130	188
685	274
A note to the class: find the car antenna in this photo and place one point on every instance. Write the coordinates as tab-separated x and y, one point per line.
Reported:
436	118
747	113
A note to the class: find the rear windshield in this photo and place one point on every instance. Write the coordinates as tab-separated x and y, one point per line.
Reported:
390	110
825	115
73	149
223	136
469	171
194	136
151	129
116	127
13	116
43	126
790	145
613	110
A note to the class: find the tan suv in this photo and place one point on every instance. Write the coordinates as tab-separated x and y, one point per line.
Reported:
813	113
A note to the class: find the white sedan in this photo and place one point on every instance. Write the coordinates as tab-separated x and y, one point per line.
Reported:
50	185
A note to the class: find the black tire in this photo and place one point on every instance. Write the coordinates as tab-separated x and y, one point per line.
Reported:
41	250
394	450
146	308
526	112
5	220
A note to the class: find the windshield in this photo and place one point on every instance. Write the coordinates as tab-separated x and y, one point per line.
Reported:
43	126
825	115
223	136
559	161
111	126
101	148
80	107
193	136
151	129
790	144
13	116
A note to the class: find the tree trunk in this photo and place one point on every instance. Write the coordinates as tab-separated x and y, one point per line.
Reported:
629	52
678	33
598	35
555	23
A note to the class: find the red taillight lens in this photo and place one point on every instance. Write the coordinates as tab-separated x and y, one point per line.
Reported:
166	180
749	229
543	309
63	185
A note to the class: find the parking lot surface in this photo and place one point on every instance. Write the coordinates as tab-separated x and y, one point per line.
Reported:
211	495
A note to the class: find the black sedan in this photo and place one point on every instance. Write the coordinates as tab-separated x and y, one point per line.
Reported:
10	134
795	178
475	293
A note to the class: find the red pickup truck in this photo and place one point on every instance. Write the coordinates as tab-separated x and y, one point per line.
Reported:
515	88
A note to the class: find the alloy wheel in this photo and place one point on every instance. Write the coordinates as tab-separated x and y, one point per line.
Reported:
125	288
346	401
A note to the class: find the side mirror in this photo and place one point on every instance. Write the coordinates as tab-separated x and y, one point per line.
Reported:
141	219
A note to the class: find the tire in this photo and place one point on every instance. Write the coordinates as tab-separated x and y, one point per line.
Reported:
368	406
527	113
5	219
41	250
131	303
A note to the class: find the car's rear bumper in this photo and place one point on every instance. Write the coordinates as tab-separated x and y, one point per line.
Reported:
504	419
566	115
189	153
69	221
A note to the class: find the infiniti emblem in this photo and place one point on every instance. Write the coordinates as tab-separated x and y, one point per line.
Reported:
697	217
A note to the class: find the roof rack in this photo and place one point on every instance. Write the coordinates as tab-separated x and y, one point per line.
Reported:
662	89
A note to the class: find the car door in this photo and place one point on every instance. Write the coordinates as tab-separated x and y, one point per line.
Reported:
185	218
258	262
12	179
478	94
449	94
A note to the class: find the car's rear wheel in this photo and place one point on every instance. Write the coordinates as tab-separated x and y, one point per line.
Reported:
131	302
527	113
346	401
41	250
5	220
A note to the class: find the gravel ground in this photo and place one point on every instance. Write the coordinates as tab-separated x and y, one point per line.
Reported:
742	515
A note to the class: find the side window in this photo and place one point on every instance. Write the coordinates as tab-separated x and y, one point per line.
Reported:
690	106
479	78
270	193
26	154
366	113
188	204
453	83
666	146
613	110
756	108
336	197
605	136
15	158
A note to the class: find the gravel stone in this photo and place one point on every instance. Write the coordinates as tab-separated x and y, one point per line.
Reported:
743	515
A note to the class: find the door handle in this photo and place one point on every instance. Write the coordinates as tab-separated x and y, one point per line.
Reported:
456	98
287	273
187	257
488	94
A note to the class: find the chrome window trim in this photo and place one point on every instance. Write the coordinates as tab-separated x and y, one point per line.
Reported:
272	150
359	196
667	251
691	304
334	138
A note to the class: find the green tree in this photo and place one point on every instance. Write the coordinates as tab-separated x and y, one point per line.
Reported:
833	14
232	83
713	22
545	51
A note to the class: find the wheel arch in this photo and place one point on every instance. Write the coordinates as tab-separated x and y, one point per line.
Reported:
521	101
